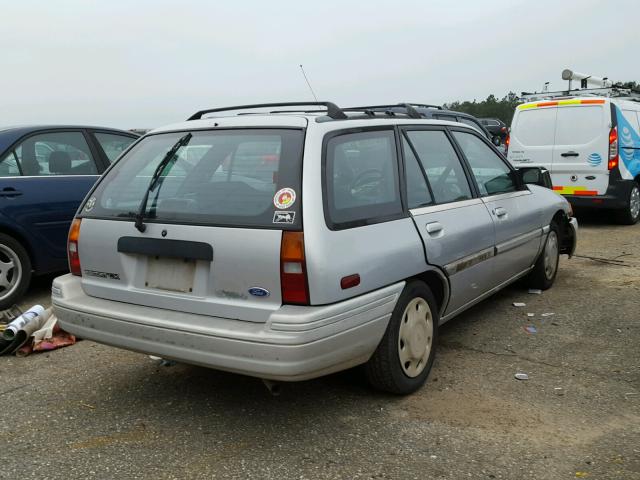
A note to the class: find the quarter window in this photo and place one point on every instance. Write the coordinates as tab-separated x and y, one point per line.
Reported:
492	175
112	144
54	153
444	171
362	178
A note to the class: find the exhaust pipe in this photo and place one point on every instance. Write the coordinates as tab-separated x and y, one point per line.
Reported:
273	387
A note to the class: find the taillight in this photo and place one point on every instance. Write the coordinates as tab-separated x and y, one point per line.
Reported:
507	141
72	248
613	148
293	270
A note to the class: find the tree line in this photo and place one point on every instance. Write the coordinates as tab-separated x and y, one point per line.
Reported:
493	107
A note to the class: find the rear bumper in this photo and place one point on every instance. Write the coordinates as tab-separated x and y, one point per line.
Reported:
296	343
616	196
572	240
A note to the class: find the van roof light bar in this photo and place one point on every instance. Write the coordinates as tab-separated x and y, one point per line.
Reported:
333	111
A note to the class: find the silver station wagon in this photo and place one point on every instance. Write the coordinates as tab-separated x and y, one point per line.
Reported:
289	241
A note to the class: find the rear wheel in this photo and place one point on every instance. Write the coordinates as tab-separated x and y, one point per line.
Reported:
404	357
631	213
15	271
546	268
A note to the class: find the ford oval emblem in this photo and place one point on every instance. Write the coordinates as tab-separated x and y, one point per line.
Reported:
259	292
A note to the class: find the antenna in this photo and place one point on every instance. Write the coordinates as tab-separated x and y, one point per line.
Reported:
307	80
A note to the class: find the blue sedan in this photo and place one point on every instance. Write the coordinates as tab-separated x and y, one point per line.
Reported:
45	172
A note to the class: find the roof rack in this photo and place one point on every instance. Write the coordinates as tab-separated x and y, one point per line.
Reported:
611	92
371	110
333	111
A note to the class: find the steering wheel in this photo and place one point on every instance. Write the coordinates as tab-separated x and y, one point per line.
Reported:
367	181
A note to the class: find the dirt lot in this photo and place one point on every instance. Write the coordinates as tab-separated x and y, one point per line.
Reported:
91	411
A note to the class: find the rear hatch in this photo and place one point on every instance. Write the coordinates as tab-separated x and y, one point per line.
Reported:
212	226
532	136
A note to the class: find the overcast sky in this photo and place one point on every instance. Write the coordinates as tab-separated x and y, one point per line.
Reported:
147	63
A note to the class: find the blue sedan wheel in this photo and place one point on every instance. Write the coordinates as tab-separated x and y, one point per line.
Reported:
15	271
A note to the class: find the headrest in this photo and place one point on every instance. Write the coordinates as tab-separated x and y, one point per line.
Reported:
59	162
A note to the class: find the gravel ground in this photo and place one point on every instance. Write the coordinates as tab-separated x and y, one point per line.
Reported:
91	411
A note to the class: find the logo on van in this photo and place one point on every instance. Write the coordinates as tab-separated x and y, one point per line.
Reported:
259	292
594	159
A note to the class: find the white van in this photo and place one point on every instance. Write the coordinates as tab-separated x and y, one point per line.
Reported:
591	146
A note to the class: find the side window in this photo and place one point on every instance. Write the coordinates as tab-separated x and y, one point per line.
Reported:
468	121
444	171
492	175
362	177
113	144
54	153
9	164
418	194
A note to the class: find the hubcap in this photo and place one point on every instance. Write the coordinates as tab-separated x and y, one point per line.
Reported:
415	337
551	255
634	202
10	271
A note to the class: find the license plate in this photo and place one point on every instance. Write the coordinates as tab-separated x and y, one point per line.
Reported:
173	274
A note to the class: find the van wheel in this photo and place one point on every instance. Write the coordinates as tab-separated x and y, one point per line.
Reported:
403	359
15	271
546	268
631	214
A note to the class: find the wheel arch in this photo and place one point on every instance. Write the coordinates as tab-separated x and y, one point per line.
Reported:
439	286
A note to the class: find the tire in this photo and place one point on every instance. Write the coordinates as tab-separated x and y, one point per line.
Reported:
15	271
546	268
411	338
631	214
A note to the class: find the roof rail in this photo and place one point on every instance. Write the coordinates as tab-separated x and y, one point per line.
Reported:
387	109
333	111
425	105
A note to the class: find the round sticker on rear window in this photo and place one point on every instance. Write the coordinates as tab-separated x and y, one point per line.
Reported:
284	198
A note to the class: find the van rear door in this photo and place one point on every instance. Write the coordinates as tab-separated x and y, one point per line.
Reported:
580	153
532	136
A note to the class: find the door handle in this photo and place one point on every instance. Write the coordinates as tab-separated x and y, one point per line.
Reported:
500	212
570	154
434	227
10	192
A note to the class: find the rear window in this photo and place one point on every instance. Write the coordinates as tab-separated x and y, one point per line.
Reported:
580	125
535	127
238	177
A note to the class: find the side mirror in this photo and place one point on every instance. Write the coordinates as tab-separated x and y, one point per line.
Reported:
536	176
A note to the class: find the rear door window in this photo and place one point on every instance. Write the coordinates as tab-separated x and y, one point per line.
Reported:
237	177
580	125
445	174
361	175
48	154
492	175
113	144
535	127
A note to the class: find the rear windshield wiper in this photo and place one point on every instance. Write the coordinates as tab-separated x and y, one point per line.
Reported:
154	180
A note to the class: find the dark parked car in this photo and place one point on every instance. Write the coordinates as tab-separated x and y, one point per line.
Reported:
433	112
45	172
497	128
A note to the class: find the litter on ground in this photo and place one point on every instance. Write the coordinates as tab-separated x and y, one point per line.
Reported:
548	314
535	291
519	304
521	376
530	329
